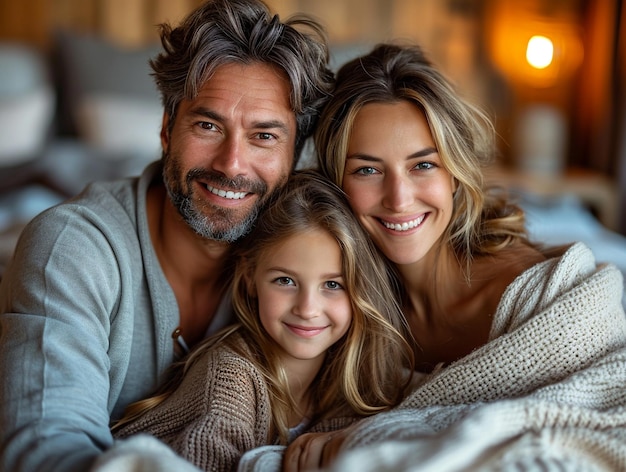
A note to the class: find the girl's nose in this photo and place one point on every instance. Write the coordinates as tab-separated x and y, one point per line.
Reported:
307	305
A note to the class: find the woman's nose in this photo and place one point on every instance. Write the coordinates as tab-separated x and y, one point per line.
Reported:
398	193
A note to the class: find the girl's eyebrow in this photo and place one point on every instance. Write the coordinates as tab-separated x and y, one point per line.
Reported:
290	273
366	157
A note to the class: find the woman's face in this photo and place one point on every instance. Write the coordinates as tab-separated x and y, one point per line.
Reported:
395	180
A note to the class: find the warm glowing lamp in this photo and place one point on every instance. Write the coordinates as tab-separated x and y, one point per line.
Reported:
536	44
521	35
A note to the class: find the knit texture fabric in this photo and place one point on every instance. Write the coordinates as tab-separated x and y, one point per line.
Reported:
547	392
220	410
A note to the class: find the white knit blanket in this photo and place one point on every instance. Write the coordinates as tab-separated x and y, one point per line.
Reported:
547	392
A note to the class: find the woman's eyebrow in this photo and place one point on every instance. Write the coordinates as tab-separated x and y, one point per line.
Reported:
366	157
424	152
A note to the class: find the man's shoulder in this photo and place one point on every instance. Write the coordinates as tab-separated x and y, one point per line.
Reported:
121	192
114	200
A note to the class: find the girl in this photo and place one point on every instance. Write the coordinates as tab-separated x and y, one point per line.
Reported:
320	339
493	316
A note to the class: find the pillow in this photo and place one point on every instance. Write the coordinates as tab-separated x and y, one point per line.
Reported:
26	104
24	124
109	95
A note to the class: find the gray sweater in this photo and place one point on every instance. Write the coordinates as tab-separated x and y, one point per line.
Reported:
86	317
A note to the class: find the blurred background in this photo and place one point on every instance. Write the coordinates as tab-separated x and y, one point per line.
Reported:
77	103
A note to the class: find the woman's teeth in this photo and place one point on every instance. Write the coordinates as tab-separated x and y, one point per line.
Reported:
404	226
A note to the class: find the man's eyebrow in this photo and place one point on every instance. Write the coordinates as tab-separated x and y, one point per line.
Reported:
269	124
273	124
205	112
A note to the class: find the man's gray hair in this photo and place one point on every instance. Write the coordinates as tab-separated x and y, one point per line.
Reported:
245	31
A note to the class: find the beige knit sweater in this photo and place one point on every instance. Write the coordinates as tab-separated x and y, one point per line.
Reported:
220	410
547	392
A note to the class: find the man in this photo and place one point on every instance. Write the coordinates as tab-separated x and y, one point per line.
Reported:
104	288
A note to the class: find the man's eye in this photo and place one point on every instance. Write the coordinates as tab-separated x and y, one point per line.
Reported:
207	125
266	136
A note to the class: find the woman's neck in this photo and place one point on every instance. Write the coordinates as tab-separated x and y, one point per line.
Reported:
442	310
450	311
433	283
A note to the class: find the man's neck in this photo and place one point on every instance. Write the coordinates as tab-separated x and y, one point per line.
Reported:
193	266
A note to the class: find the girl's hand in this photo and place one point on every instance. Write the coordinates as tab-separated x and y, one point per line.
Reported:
312	451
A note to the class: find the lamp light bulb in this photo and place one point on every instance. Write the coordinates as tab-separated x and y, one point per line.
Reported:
539	52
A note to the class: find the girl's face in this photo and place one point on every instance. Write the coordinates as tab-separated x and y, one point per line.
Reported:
303	304
397	185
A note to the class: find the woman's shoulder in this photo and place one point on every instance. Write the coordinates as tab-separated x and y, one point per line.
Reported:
500	270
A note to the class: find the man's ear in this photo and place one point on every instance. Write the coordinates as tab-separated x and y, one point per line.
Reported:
165	134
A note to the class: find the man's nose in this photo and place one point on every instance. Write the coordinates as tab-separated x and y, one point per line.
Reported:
230	157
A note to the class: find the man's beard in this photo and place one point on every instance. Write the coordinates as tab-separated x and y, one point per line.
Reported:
215	223
208	227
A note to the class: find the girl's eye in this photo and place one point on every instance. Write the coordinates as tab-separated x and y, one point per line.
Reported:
284	281
333	285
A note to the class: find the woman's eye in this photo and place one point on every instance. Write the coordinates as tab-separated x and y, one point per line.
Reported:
365	171
425	165
333	285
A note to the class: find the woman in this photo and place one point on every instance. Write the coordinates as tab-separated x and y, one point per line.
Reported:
493	317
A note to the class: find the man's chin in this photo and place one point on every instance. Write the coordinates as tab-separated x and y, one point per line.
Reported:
223	233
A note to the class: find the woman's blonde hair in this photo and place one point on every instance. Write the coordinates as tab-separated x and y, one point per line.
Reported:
369	369
482	221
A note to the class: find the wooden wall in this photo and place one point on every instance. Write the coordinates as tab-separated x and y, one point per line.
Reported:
129	22
448	30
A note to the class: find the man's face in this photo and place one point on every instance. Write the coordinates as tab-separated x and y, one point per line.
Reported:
229	149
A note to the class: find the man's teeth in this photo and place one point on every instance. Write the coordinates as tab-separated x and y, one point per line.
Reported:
230	194
404	226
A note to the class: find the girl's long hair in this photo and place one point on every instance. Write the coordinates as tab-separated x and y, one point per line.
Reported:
369	369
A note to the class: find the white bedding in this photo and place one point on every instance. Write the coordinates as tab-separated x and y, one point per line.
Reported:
564	219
